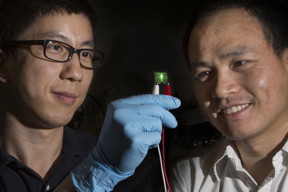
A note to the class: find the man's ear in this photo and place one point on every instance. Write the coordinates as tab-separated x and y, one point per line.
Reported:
3	71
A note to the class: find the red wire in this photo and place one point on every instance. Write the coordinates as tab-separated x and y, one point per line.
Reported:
167	91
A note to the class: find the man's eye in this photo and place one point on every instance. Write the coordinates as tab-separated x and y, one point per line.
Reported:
202	76
87	54
239	63
55	48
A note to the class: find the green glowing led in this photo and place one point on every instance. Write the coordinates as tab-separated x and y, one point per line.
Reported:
161	77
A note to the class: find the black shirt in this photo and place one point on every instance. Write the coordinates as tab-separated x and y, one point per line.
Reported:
16	177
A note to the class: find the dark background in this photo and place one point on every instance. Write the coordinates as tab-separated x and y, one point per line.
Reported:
139	37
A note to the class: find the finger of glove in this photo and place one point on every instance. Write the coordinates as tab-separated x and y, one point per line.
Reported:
165	101
129	158
143	111
136	152
148	139
142	124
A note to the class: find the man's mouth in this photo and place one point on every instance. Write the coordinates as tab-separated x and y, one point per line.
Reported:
65	97
234	109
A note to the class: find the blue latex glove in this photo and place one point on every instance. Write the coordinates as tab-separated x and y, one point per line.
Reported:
132	126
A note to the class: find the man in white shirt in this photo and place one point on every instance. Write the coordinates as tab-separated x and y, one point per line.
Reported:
237	51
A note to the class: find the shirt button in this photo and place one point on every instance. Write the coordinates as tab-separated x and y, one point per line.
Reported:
47	187
283	169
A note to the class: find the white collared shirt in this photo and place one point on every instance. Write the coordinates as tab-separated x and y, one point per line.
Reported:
219	169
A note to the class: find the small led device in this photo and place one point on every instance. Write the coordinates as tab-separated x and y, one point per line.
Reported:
161	78
162	87
161	83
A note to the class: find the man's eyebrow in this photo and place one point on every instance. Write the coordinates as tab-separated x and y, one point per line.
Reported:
198	64
88	43
52	34
235	52
231	53
58	36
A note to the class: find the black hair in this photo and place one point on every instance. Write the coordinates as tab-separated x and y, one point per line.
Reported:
18	15
272	16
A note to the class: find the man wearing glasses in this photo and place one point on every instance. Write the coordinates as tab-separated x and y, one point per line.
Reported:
59	51
47	59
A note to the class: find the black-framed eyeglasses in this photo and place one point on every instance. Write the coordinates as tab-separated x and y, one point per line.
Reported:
59	51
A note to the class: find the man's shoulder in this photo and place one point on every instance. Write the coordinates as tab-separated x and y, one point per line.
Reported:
196	167
204	158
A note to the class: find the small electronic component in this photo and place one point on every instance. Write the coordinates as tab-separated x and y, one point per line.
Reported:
162	86
161	78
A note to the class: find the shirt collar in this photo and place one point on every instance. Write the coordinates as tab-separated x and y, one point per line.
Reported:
5	158
285	147
228	152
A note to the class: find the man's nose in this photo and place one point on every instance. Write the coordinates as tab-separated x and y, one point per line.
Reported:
72	69
225	84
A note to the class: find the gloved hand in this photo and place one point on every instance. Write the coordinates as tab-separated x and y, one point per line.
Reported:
132	126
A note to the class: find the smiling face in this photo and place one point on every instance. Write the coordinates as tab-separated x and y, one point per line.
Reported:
239	82
42	93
